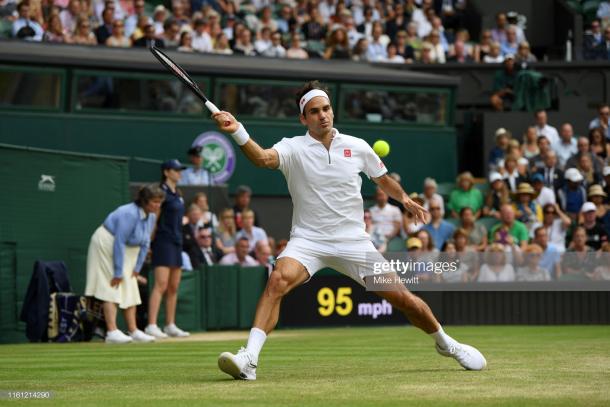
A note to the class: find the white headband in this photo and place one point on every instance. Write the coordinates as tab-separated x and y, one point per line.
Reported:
310	95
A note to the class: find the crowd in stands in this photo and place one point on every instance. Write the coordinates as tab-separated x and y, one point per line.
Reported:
424	31
547	197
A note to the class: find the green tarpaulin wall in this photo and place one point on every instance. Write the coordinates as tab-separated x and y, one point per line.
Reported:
51	203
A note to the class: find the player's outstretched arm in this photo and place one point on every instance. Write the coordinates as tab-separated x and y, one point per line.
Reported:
265	158
393	189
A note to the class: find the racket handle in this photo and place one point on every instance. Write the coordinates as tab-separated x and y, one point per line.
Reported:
211	107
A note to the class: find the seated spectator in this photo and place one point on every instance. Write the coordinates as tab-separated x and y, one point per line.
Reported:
537	161
275	50
25	27
314	29
360	49
465	195
243	196
266	20
135	20
438	52
598	143
476	233
498	152
207	219
532	270
482	49
186	42
296	51
585	166
55	31
82	33
544	195
511	176
461	274
598	196
398	22
159	18
377	237
426	54
263	256
226	231
603	49
263	41
529	148
527	210
596	234
523	168
497	195
516	229
413	40
556	224
118	39
460	54
206	253
552	176
428	250
579	258
171	33
148	40
430	188
337	44
544	129
392	56
550	259
566	147
240	255
202	41
496	268
494	56
602	120
70	15
504	83
602	271
498	33
221	46
584	148
253	233
572	195
190	230
439	229
403	48
386	217
593	39
524	56
510	44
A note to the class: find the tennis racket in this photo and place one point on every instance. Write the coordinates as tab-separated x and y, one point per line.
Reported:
184	77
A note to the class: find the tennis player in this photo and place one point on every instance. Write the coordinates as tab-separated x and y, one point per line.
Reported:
322	171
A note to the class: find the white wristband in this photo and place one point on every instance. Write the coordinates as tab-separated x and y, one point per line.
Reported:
240	136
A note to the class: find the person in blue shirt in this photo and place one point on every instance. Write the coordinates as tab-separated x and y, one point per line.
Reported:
167	254
195	175
440	230
116	253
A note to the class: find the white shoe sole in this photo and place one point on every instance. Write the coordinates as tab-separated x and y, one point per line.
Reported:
227	364
472	349
117	342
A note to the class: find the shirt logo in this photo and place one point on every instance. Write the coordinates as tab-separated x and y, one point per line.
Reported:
347	152
381	164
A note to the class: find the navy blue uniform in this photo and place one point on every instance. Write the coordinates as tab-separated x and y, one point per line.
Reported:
167	246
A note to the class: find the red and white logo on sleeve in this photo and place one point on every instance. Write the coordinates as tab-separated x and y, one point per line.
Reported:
381	164
347	152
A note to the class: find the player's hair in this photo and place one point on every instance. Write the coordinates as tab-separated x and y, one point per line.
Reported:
148	193
306	88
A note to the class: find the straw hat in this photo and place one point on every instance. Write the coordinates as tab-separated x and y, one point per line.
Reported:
596	190
525	188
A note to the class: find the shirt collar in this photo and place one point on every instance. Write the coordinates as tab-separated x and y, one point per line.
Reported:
312	141
143	214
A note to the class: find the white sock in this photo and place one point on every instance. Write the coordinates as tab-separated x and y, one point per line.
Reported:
256	340
442	339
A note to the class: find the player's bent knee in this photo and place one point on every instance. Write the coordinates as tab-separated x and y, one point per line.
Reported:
278	284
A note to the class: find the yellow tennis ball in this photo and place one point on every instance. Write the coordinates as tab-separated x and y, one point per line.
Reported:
381	148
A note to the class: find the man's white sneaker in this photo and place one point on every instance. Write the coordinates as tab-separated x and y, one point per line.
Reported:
117	336
139	336
467	356
154	330
174	331
241	366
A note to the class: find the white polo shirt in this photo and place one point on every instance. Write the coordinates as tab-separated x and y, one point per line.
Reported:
325	185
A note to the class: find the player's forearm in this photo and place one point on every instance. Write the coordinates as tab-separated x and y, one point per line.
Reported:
392	188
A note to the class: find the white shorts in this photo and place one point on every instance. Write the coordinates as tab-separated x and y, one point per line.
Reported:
354	259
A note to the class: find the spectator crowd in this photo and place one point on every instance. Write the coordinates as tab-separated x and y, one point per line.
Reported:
546	199
424	31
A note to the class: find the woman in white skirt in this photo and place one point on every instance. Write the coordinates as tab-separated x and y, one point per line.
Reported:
116	253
